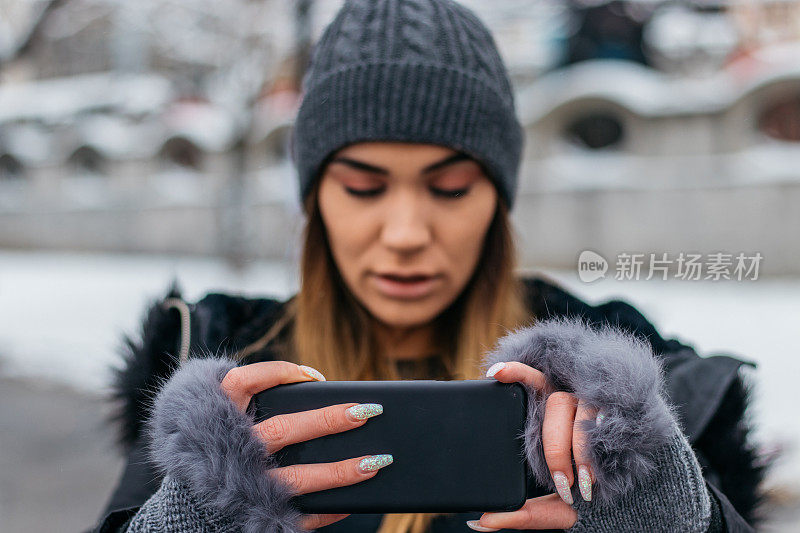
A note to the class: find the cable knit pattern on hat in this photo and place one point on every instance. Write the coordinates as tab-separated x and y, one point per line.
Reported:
420	71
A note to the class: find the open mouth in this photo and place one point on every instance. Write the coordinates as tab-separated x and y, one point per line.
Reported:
406	279
406	287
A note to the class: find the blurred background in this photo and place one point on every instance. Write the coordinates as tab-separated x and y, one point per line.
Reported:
147	140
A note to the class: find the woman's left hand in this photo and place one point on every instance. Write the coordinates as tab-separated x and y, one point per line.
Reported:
562	441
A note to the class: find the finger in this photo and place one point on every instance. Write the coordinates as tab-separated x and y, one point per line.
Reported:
314	521
580	449
511	371
545	512
281	430
314	477
241	382
559	417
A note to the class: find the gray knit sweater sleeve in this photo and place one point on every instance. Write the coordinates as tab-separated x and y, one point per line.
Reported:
174	508
673	498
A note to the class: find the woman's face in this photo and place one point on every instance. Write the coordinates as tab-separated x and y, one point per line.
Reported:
406	225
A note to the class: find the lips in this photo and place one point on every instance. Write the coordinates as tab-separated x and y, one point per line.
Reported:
408	286
406	277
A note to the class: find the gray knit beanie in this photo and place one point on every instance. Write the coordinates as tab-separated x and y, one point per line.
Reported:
424	71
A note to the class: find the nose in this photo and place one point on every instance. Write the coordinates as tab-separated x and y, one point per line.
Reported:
406	227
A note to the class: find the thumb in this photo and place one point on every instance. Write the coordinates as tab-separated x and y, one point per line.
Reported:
545	512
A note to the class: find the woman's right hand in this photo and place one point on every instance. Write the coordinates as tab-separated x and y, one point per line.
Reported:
242	382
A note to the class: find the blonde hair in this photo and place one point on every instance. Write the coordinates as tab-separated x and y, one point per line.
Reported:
332	332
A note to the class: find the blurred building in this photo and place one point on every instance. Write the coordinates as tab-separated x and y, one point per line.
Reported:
121	124
621	158
163	127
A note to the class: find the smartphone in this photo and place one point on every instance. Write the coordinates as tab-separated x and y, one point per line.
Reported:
457	445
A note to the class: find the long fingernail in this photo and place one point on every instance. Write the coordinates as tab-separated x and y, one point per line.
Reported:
363	411
473	524
375	462
313	373
562	486
494	369
585	482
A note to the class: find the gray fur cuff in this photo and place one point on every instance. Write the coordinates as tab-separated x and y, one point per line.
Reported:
610	370
203	442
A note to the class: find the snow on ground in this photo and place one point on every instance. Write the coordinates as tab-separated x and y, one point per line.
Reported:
61	316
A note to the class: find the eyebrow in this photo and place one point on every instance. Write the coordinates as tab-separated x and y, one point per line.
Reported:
359	165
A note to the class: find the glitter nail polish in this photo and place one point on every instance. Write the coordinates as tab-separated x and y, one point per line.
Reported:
562	486
494	369
313	373
374	462
473	524
363	411
585	482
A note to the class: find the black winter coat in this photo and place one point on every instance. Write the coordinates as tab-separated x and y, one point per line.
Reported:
707	392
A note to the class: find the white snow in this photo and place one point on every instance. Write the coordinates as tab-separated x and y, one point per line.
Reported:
59	99
209	126
647	92
61	316
29	142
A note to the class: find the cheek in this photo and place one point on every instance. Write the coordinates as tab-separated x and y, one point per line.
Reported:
463	234
348	228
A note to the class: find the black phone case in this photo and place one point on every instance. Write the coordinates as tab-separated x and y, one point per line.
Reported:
457	445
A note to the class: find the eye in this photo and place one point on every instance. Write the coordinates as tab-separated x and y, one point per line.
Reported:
450	193
364	193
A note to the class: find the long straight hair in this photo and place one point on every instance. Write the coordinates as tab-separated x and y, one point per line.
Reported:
332	332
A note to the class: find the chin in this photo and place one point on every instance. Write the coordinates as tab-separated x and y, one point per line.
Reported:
405	314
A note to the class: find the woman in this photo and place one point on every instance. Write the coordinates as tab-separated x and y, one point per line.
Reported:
407	148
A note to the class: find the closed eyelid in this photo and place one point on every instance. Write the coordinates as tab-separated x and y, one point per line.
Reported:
454	180
360	180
